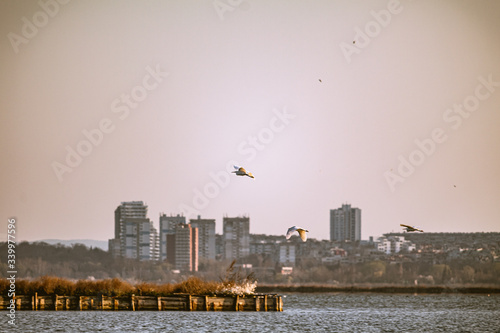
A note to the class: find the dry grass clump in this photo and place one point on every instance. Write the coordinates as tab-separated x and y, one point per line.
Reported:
153	289
45	285
194	285
108	287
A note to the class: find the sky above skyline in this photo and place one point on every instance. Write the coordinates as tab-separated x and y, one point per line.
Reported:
392	107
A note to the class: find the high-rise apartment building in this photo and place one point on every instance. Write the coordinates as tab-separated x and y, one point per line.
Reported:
206	237
345	224
130	209
167	227
135	235
236	237
135	239
186	248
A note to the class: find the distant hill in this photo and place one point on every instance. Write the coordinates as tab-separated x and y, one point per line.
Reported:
68	242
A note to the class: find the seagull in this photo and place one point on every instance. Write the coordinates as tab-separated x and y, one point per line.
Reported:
240	171
409	228
302	233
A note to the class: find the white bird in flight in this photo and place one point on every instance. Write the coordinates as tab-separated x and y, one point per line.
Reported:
302	233
410	228
240	171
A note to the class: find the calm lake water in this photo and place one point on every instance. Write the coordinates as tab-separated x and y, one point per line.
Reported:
335	312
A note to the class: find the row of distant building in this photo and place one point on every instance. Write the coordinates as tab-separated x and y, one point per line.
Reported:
183	244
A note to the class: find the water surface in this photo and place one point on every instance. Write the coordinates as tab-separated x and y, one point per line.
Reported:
330	312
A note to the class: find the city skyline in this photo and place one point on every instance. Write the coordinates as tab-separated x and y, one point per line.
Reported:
391	106
174	218
183	245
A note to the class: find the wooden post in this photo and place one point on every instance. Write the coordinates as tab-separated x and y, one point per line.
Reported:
91	304
132	302
277	302
265	302
55	302
257	305
102	302
236	301
80	303
36	301
115	304
206	303
158	299
18	303
189	305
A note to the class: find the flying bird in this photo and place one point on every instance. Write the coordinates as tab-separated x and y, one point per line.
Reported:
409	228
240	171
302	233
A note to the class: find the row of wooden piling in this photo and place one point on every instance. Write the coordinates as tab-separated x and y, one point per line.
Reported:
176	302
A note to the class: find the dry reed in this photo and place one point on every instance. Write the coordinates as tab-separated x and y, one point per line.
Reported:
48	285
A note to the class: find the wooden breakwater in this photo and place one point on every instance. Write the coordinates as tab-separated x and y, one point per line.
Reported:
177	302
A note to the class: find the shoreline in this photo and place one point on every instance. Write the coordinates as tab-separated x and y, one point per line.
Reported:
382	288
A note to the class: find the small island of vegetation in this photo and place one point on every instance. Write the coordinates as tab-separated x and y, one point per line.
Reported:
233	283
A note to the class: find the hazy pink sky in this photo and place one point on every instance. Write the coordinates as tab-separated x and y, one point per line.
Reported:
276	86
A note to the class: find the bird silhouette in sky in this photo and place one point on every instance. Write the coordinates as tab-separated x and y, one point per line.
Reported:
240	171
410	228
302	233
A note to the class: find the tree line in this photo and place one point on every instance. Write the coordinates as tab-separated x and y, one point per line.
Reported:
78	262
